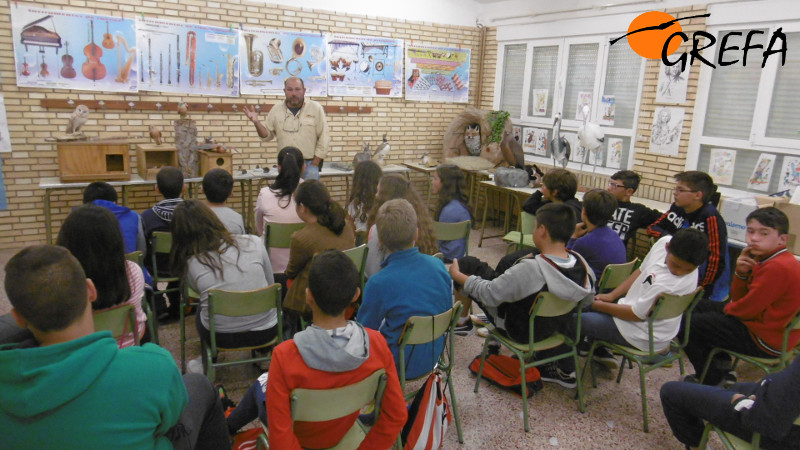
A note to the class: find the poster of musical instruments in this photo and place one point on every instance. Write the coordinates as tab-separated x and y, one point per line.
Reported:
271	56
365	66
73	50
187	58
437	74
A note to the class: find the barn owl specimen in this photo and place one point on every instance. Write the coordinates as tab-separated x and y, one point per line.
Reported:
78	118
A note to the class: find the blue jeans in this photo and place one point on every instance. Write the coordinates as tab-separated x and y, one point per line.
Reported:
597	325
253	405
202	422
311	172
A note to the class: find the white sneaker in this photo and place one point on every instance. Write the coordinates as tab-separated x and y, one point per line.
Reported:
482	332
195	366
479	319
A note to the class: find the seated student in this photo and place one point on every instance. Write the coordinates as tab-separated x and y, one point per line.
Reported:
366	177
620	316
768	407
410	284
629	216
764	299
332	352
449	183
77	383
169	183
558	186
218	185
695	195
506	297
103	194
598	244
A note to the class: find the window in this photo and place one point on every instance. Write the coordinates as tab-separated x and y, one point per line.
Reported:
513	70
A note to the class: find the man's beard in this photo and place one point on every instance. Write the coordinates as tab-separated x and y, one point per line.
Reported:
296	103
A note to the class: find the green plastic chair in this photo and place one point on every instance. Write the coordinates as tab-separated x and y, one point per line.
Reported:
152	325
523	237
731	441
666	307
450	231
119	320
767	365
545	305
425	329
615	274
238	304
359	257
161	244
189	299
315	405
279	235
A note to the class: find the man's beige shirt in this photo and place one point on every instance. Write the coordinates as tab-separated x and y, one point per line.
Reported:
308	130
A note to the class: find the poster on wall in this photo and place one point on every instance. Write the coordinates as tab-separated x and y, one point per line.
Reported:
584	98
517	131
596	157
762	173
721	165
535	141
608	107
614	154
790	174
578	152
73	50
268	57
365	66
672	83
540	102
436	74
187	58
3	199
5	138
665	136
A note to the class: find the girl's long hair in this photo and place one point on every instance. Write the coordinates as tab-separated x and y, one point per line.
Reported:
314	195
91	233
454	187
394	186
198	232
291	163
365	184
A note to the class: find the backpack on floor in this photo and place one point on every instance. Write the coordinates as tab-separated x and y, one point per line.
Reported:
503	371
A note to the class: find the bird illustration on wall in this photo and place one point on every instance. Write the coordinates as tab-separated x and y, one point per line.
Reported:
78	118
155	134
379	156
559	145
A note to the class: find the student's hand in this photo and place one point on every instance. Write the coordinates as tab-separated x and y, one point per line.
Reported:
454	268
745	262
580	230
605	298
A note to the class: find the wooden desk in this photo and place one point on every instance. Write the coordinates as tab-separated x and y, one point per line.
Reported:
513	195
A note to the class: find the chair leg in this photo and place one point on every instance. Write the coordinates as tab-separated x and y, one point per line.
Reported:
524	387
707	365
483	361
154	330
643	388
581	406
183	339
455	406
622	367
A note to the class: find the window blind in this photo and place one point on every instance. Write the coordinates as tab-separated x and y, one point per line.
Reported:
543	76
581	68
513	74
622	81
783	121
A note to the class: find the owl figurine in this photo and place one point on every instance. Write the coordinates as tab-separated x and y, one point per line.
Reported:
78	118
155	134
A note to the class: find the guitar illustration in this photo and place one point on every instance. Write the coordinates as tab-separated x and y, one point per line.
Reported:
108	40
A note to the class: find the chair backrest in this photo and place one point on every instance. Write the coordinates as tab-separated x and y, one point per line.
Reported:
119	320
248	303
424	329
548	304
161	242
359	257
614	274
527	222
279	235
137	257
668	306
450	231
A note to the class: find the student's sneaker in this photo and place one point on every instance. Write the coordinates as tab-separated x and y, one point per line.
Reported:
228	405
195	366
551	373
729	379
604	357
691	378
482	332
464	330
658	357
479	319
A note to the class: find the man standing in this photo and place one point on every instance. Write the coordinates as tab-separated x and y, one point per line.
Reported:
296	122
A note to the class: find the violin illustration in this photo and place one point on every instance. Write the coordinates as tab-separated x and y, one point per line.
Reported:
67	71
26	68
93	69
43	73
108	40
191	48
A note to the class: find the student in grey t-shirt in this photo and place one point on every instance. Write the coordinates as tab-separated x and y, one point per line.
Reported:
218	185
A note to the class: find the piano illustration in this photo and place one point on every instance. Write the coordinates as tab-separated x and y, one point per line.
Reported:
37	35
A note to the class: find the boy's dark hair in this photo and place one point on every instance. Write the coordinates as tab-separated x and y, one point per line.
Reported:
217	185
333	280
599	205
700	181
629	179
770	217
563	182
690	245
558	219
170	182
99	190
47	287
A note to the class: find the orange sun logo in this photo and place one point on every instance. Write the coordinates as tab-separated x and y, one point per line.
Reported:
649	31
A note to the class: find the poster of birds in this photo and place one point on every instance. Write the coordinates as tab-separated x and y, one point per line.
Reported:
762	173
790	174
540	102
614	154
721	165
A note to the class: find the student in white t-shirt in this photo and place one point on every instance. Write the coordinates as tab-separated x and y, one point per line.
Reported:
620	315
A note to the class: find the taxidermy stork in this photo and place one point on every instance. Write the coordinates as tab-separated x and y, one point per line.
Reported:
380	153
559	145
590	135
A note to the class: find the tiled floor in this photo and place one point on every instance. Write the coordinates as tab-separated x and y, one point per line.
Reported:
493	418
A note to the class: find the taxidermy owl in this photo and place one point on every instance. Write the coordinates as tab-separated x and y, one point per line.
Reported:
380	153
78	118
472	139
155	134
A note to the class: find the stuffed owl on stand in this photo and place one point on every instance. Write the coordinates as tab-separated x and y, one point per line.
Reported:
78	118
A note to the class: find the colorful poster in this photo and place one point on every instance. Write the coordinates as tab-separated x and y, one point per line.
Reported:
665	137
578	152
5	138
584	98
436	74
762	173
365	66
672	84
721	165
608	106
540	102
268	57
529	140
188	58
790	174
614	154
517	130
73	50
596	156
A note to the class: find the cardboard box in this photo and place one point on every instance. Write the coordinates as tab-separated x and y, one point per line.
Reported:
793	211
735	211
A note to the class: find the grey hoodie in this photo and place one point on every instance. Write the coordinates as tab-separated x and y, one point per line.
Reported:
340	350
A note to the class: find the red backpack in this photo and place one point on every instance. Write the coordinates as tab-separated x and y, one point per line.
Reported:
503	371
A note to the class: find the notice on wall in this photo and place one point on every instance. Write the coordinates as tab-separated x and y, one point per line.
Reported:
268	57
365	66
721	165
762	173
535	141
187	58
614	155
437	74
73	50
665	137
790	174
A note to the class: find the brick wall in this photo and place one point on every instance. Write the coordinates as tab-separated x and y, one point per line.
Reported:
412	127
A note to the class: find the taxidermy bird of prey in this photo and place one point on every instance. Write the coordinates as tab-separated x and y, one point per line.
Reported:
155	134
512	151
380	153
590	135
559	145
78	118
363	155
